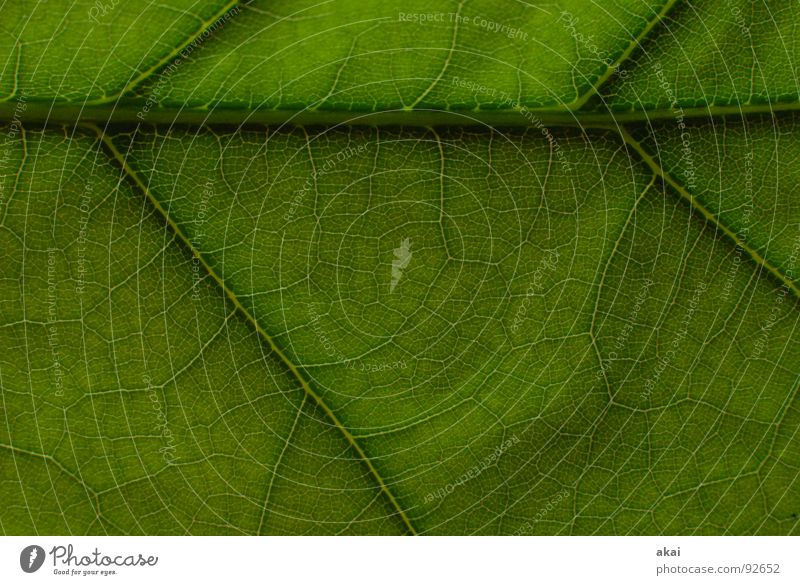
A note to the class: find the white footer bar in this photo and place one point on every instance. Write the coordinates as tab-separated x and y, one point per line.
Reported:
416	561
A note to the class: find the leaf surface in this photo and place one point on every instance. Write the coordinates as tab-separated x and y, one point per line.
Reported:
238	297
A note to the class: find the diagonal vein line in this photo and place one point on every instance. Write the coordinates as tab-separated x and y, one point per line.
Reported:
351	440
446	61
161	63
274	474
593	329
710	216
634	44
55	462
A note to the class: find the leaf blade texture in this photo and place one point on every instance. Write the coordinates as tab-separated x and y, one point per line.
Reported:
381	268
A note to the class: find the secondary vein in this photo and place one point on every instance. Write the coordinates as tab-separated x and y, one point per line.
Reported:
161	63
634	44
709	216
134	177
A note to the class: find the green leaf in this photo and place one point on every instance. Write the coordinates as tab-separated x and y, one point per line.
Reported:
383	268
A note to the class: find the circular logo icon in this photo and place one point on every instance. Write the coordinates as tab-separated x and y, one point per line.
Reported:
31	558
